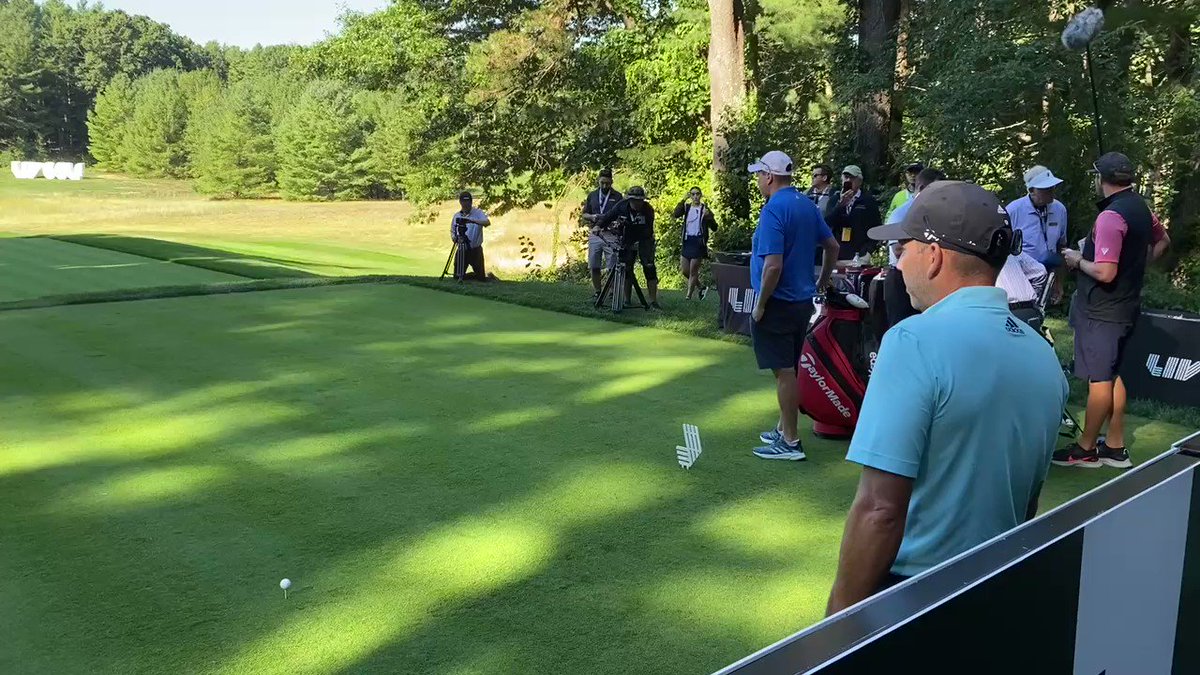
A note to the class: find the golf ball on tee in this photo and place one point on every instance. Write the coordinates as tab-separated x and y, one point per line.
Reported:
285	584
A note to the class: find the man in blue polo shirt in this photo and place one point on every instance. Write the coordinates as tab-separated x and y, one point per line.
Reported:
963	408
781	272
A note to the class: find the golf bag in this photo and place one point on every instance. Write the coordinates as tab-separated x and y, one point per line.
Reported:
836	361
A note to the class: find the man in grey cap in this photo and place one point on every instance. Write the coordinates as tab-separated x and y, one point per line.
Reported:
636	217
1108	298
1042	220
963	407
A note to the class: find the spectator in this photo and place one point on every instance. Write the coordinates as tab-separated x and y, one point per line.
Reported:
781	273
466	228
896	300
963	407
1108	297
635	217
822	186
698	220
909	190
1042	220
598	204
855	212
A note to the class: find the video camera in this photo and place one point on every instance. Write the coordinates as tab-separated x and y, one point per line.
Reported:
460	230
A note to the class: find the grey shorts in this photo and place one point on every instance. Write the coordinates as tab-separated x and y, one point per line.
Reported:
595	256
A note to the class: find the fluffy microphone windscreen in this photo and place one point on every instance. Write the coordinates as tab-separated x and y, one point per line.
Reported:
1083	28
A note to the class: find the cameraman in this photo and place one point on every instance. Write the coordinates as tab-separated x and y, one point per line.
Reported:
466	230
634	219
598	204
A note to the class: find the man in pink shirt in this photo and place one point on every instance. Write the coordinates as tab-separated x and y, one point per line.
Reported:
1111	270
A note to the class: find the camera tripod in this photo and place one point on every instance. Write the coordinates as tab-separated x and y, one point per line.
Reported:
620	280
458	254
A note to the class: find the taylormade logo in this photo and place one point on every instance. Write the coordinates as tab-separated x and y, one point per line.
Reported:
1175	368
807	364
741	306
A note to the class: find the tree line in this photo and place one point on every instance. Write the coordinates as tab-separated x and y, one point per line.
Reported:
526	99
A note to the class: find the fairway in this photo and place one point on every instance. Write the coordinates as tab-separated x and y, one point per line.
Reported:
341	239
36	267
453	485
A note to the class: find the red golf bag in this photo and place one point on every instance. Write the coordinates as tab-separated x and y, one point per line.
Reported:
836	361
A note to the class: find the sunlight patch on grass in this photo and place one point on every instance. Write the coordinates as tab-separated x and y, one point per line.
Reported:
510	419
763	605
631	376
754	527
387	593
137	488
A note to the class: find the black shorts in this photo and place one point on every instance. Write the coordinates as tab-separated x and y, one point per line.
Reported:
779	336
1099	346
694	248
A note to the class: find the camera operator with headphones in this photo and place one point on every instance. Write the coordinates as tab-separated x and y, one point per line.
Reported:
635	216
466	230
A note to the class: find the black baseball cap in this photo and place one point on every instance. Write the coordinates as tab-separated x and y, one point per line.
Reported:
1115	168
636	192
959	216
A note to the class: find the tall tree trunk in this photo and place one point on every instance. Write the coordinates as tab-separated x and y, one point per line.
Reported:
876	41
902	71
726	69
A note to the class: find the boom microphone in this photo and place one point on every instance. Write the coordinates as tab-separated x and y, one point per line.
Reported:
1083	28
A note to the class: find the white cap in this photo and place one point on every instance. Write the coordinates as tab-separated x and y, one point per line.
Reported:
1041	178
774	162
853	170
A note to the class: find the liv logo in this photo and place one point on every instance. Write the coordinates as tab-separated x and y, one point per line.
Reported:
1175	368
741	306
51	170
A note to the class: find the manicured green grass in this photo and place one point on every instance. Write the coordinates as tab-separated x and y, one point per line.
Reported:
454	485
35	267
346	239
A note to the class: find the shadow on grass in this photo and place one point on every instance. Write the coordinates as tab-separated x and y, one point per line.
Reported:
243	265
452	485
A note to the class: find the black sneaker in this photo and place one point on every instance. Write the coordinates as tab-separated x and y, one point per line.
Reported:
1074	455
1115	457
655	305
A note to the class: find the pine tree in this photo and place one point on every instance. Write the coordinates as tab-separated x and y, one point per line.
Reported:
233	149
108	122
154	139
322	146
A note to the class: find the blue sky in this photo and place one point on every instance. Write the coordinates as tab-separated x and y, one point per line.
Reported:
247	22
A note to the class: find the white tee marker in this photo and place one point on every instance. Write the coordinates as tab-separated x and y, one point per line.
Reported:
690	451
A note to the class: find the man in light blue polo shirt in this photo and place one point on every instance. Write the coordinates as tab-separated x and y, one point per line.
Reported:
1042	220
963	407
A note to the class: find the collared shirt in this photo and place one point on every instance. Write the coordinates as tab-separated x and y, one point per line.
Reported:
1022	277
821	197
965	400
1043	231
896	216
791	226
474	231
